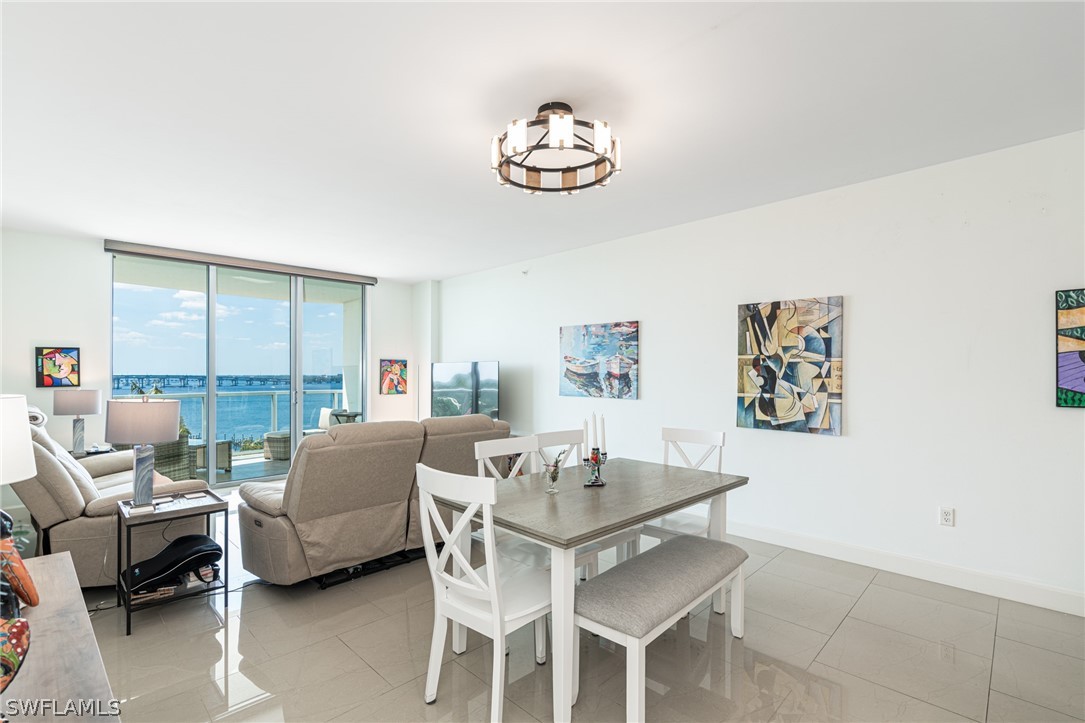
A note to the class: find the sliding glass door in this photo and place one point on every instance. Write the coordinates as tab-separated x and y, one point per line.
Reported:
253	385
160	348
284	352
331	352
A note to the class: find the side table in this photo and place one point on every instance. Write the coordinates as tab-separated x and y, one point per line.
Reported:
166	508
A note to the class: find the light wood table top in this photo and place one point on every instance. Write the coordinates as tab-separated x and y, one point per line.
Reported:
636	492
63	662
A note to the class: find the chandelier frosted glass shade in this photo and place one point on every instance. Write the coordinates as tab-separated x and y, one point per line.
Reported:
556	152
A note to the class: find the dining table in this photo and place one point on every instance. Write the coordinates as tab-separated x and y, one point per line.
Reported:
635	492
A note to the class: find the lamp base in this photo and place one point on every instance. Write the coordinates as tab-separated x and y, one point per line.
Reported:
78	442
143	474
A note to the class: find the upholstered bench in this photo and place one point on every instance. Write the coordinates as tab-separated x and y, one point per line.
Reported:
634	602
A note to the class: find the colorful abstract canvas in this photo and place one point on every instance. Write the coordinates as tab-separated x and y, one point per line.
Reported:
393	376
600	360
790	365
1070	347
57	366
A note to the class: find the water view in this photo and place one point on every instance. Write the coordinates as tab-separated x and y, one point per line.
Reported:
247	407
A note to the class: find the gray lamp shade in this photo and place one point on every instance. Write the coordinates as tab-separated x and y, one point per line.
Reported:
142	421
77	401
16	450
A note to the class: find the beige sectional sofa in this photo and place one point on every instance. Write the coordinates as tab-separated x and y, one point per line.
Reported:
73	503
350	495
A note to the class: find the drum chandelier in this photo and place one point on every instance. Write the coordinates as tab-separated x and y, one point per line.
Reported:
556	152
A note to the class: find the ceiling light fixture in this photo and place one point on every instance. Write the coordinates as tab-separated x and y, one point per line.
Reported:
556	152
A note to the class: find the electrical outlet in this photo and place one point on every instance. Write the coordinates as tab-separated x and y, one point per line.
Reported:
947	516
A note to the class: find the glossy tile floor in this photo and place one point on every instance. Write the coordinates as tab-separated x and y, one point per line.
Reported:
825	641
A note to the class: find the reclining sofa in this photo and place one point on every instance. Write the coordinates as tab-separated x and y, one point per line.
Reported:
351	496
73	505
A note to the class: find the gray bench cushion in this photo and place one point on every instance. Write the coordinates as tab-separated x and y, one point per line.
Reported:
638	595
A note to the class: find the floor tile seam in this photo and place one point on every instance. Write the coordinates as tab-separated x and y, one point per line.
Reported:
783	620
989	661
804	582
1038	705
198	682
940	601
1039	647
928	597
1019	621
371	666
776	709
899	692
991	677
846	616
920	637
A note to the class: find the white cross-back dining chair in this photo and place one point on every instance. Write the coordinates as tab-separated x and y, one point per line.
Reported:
627	542
571	440
494	599
512	546
692	520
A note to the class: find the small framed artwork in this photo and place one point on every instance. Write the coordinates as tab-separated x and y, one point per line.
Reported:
393	376
57	366
1070	347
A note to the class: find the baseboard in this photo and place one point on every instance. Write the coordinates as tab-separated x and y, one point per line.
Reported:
1003	586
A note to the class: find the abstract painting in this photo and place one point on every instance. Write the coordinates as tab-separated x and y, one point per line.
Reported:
600	360
1070	347
57	366
790	365
393	376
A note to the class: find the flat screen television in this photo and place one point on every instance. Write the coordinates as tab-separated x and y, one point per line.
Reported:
464	388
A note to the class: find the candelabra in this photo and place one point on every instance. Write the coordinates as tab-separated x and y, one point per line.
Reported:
594	464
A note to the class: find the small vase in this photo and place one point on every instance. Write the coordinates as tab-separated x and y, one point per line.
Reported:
552	472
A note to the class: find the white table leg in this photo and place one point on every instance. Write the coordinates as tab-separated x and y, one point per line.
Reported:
717	528
459	631
562	572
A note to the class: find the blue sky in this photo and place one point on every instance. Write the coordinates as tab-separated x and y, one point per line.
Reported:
164	331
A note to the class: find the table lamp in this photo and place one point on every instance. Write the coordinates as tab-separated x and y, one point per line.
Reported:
77	401
142	423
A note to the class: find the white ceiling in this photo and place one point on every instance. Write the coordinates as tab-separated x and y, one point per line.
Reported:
356	136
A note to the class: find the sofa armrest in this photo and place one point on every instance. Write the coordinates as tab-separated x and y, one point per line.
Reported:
106	505
264	497
100	465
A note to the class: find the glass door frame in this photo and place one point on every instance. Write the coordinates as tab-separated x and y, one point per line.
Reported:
297	378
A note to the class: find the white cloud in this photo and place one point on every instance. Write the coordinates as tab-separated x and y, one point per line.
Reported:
180	316
160	322
192	299
285	303
132	338
249	321
330	314
274	346
193	335
222	311
280	323
116	319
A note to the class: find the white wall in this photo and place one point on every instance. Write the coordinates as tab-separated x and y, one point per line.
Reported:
56	290
391	336
948	275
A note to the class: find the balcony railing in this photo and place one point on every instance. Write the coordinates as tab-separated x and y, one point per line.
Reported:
258	419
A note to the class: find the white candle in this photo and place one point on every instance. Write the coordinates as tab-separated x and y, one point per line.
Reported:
594	432
603	434
585	450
